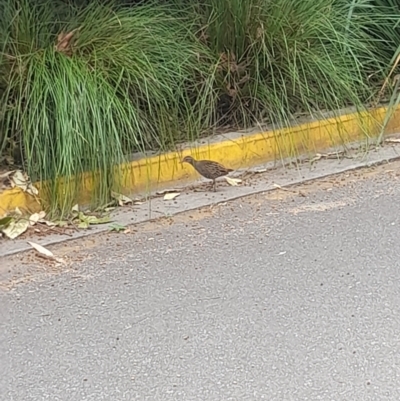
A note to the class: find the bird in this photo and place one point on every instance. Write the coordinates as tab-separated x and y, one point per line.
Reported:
208	169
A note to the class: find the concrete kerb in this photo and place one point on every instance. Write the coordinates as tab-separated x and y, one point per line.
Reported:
283	177
237	150
245	150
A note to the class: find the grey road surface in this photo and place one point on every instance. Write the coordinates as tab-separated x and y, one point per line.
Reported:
291	295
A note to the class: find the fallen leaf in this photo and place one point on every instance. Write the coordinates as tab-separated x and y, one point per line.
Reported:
121	199
32	190
117	227
61	223
330	155
16	228
41	249
262	170
233	181
287	189
85	220
21	180
83	224
392	140
6	174
97	220
5	221
34	218
317	157
280	187
45	252
300	193
75	209
166	191
65	42
171	196
48	223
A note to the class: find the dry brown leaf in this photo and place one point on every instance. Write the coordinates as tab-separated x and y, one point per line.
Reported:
166	191
171	196
45	252
21	180
280	187
121	199
392	140
6	174
317	157
32	190
41	249
39	218
34	218
233	181
65	42
47	222
16	228
330	155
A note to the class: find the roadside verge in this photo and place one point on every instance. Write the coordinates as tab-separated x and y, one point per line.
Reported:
262	179
235	150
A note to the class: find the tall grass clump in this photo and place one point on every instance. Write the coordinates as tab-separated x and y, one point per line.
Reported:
384	26
279	58
384	30
83	87
380	20
390	89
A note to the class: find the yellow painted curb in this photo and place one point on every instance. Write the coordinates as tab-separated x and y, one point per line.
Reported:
242	150
236	150
16	197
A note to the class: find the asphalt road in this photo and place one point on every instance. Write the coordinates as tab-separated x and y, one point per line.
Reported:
291	295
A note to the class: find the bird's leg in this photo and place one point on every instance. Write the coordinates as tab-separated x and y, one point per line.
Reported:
215	185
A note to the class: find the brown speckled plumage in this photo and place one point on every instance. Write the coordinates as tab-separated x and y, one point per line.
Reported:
208	169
